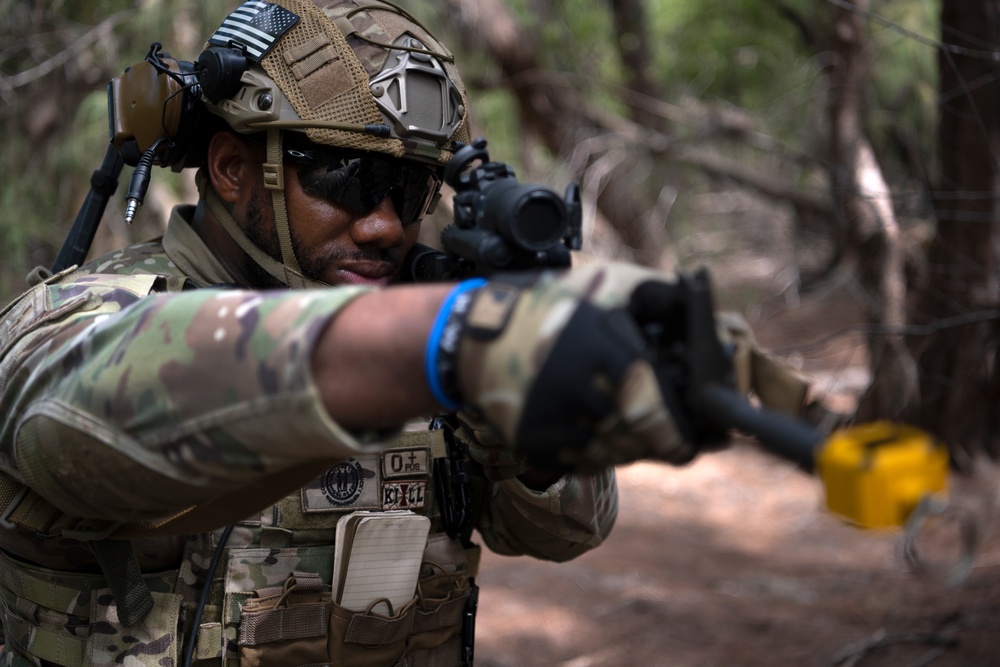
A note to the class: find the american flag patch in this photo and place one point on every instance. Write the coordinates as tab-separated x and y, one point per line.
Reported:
255	25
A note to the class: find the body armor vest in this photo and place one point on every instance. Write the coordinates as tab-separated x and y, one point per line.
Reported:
269	597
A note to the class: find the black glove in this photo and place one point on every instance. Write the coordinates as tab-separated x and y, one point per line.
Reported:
581	369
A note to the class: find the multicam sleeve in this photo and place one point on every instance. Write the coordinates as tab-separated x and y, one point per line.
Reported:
173	398
571	517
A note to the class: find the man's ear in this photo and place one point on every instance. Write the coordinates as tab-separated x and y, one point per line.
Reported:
232	165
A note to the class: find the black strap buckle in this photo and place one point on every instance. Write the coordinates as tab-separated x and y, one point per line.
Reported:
451	481
469	624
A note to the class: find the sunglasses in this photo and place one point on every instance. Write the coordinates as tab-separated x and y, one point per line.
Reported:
360	182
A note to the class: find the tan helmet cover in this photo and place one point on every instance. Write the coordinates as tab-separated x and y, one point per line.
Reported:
348	65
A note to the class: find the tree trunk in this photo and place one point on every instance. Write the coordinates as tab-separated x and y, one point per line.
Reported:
550	108
642	91
958	365
872	232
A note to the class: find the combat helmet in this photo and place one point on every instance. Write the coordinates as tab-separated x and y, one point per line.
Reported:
354	74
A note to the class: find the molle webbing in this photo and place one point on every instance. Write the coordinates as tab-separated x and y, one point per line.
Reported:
302	610
26	509
268	619
352	103
69	593
22	507
285	624
375	630
30	594
117	556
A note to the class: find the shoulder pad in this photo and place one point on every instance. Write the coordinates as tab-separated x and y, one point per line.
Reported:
65	293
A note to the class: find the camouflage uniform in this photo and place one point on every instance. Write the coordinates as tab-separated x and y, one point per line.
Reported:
131	391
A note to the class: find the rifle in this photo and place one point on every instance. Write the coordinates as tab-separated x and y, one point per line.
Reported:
875	475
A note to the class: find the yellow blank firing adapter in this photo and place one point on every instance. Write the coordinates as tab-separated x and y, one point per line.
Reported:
876	474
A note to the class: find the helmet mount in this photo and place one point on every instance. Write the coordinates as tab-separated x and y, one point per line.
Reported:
416	94
220	70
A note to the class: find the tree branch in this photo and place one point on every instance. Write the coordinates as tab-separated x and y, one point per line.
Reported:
73	50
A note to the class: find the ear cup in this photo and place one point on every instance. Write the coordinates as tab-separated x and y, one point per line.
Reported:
154	103
219	72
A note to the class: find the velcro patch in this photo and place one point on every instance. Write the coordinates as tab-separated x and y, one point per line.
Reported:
404	495
326	84
406	462
491	310
348	486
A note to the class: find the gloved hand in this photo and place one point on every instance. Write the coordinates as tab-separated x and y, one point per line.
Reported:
570	367
754	370
778	386
487	447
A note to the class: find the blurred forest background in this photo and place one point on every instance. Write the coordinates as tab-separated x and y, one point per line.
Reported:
833	162
815	146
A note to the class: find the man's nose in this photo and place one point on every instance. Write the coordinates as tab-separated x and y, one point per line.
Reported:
380	227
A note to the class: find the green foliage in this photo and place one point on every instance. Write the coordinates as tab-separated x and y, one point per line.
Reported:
56	61
754	54
767	56
764	56
903	98
578	36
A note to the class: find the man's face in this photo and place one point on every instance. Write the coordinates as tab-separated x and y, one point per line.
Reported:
352	218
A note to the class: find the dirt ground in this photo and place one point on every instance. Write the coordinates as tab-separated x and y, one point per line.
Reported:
733	561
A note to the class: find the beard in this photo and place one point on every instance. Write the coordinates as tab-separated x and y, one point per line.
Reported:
261	230
315	264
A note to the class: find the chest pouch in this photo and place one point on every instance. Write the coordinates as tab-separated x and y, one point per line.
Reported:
299	624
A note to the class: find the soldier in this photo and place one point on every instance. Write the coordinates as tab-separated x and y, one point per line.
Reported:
180	439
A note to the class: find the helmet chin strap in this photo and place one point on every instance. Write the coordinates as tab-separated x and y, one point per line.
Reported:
274	180
288	272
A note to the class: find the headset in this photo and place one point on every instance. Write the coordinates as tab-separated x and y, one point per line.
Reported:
155	117
155	106
155	110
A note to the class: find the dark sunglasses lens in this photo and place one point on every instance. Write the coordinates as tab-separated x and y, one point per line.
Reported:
360	184
414	192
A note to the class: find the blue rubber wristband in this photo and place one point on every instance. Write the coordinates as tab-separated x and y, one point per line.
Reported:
433	353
